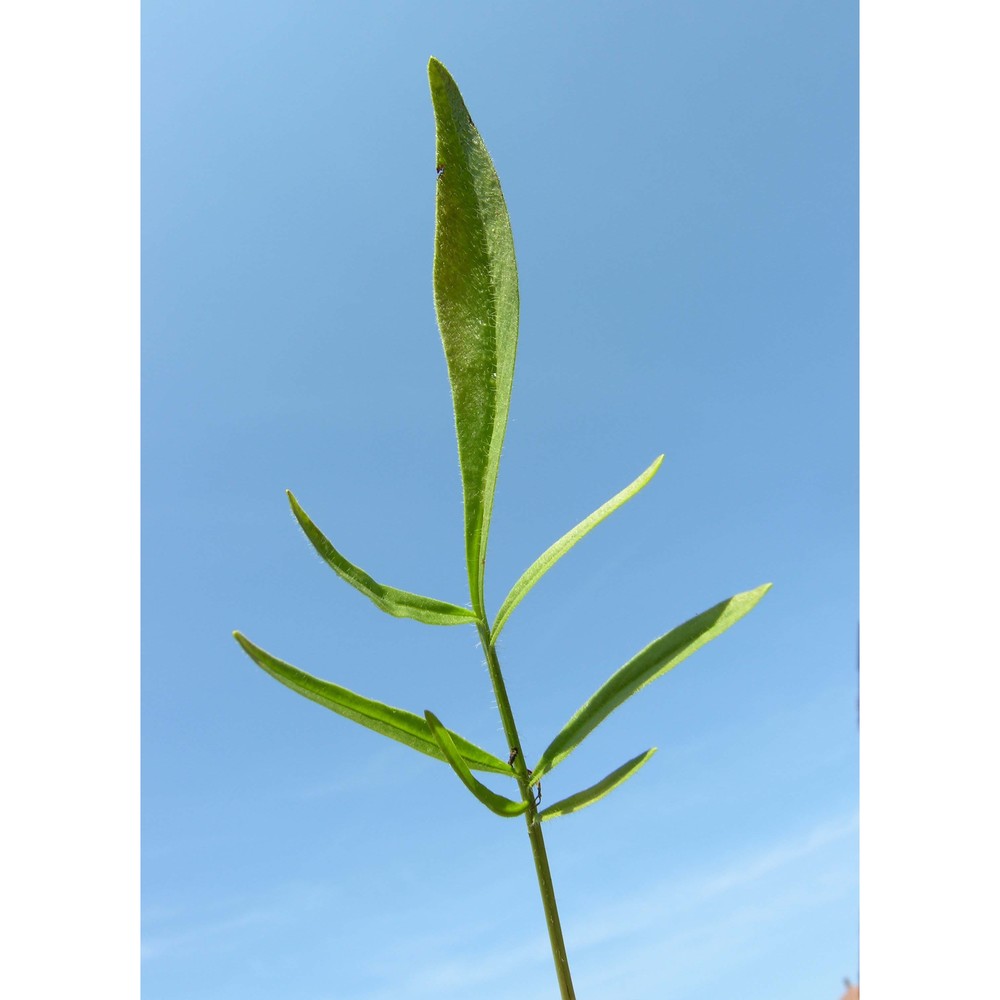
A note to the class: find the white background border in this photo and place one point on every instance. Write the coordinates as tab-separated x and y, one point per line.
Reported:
929	498
69	411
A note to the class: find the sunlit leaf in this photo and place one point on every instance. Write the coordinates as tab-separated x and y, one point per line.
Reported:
395	602
557	550
476	297
495	803
573	803
654	661
397	724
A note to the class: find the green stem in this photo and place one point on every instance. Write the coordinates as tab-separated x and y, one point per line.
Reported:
531	818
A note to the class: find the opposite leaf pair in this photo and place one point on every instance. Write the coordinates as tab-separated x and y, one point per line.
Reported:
429	737
402	604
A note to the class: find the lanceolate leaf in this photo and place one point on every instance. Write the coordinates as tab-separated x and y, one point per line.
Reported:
392	601
405	727
655	660
476	297
590	795
496	803
556	551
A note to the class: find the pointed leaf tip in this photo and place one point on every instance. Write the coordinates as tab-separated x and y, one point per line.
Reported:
647	665
605	786
558	549
398	603
395	723
477	305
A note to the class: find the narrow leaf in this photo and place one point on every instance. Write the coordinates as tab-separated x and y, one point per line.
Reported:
655	660
397	724
476	298
555	552
495	803
400	603
590	795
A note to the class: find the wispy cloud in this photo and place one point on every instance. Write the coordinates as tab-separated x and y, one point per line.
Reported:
787	851
205	934
655	903
381	768
709	920
170	932
682	930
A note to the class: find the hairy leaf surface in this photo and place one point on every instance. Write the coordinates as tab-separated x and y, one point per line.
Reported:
558	549
399	603
476	298
397	724
654	661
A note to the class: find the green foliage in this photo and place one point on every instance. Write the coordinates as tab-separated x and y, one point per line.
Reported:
618	776
558	549
397	724
495	803
395	602
476	298
654	661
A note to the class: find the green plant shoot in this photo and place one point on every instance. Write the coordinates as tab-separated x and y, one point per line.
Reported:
477	305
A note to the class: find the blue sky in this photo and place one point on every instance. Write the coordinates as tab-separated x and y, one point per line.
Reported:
682	183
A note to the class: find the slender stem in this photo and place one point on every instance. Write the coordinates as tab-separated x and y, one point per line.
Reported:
531	818
551	911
